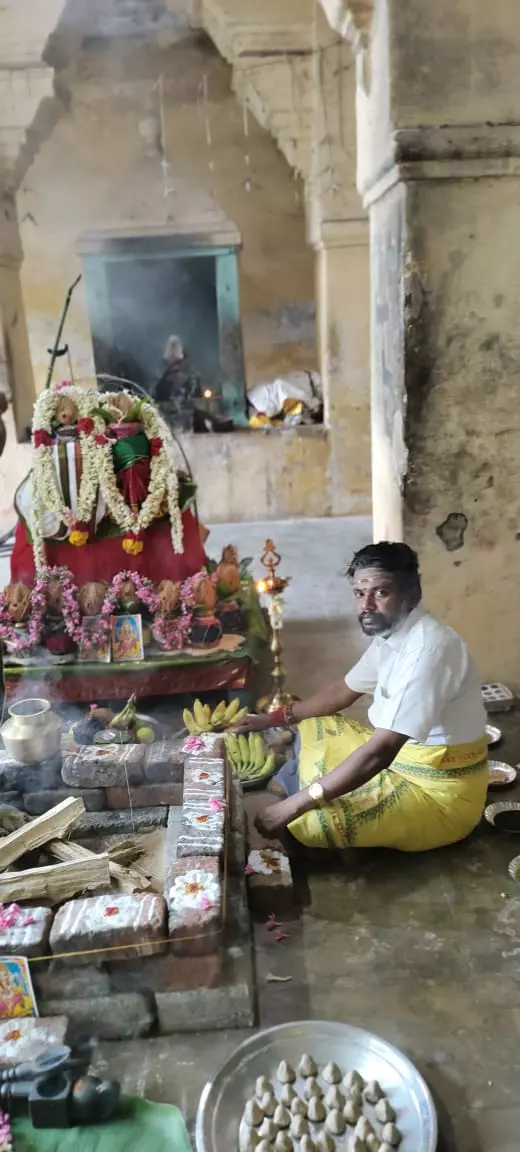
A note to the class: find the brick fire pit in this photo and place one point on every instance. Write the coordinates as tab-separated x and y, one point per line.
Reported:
120	964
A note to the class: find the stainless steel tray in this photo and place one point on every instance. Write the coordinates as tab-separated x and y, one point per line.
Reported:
223	1099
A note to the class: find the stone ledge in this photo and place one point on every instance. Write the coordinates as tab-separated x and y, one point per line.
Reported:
36	803
144	796
228	1005
114	1017
92	767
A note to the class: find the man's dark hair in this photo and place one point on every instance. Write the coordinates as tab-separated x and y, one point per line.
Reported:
397	560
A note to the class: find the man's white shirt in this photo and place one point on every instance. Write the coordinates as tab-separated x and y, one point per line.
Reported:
424	683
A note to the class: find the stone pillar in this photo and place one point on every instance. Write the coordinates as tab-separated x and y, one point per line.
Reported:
439	168
14	341
343	294
338	229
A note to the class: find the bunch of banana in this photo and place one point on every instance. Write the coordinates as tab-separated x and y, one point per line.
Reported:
126	718
249	756
202	719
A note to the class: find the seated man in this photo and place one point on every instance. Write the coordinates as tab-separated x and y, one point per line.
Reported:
417	778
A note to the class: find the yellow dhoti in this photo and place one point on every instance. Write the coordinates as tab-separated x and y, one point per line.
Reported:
430	795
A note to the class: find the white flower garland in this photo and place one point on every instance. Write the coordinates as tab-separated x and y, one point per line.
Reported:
46	487
97	470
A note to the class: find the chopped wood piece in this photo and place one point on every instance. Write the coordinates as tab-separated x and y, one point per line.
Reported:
57	882
54	823
129	880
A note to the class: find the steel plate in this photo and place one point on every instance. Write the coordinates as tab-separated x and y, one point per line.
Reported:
223	1099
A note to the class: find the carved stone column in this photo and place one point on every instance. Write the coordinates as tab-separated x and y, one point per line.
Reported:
14	341
439	166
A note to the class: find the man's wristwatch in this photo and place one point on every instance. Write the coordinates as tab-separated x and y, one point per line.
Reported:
316	793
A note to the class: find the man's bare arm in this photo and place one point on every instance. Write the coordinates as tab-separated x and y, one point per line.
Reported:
326	702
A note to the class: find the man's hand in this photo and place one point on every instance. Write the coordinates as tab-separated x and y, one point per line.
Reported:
252	723
274	820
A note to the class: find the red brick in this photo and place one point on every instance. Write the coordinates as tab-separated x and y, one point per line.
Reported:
270	887
144	796
195	930
101	923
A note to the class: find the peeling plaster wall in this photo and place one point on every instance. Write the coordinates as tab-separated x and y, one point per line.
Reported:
464	431
447	371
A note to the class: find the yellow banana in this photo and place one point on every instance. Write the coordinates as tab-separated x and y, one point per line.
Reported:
190	723
207	715
219	713
198	713
236	718
231	711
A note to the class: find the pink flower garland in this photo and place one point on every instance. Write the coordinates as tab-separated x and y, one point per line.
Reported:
172	632
6	1136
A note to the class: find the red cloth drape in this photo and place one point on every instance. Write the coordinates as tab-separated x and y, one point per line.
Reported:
103	559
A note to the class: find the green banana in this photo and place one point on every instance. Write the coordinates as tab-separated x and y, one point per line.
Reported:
243	745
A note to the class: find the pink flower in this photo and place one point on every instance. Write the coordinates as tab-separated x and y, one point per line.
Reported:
206	903
216	805
280	936
249	870
271	922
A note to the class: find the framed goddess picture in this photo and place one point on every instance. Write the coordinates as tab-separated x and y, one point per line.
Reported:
98	651
127	638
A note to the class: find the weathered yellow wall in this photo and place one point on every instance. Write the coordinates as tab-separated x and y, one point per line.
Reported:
93	173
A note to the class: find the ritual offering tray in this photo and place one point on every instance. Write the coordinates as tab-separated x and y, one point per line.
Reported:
501	775
350	1065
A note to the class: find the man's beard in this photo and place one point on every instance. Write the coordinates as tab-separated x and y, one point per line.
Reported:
377	624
